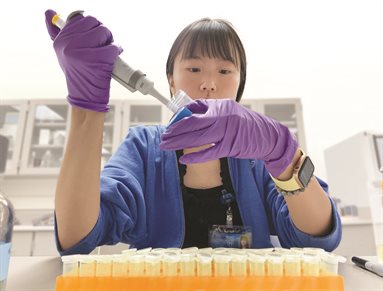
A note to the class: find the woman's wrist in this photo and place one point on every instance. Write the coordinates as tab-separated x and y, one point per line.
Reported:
288	172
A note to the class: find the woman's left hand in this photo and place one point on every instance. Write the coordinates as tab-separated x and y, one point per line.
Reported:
234	131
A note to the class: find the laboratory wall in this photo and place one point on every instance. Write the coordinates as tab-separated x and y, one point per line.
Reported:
327	53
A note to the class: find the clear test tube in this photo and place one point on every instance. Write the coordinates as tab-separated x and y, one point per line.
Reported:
87	266
204	265
220	251
119	266
153	264
282	251
238	265
171	253
265	250
329	264
103	266
173	250
310	264
158	250
143	251
187	264
292	264
274	264
315	251
136	265
241	252
257	264
205	251
129	251
253	252
70	265
221	265
170	264
297	250
190	250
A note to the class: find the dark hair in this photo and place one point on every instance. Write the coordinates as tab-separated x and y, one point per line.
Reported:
212	38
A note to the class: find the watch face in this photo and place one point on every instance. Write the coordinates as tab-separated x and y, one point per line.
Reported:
306	171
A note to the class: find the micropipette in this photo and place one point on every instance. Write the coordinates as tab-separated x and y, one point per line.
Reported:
135	80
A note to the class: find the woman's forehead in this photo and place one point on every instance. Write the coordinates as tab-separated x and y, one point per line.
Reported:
202	50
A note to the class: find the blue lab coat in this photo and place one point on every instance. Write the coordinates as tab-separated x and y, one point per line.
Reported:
141	201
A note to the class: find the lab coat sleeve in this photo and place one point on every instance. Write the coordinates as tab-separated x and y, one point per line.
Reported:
122	216
288	234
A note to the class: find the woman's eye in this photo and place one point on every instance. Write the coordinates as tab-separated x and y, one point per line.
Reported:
224	72
194	70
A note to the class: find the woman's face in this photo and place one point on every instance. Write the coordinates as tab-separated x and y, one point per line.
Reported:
205	78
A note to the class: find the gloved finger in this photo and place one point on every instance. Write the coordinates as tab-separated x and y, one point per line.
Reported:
211	107
191	123
199	106
53	30
190	139
98	57
80	23
95	37
205	155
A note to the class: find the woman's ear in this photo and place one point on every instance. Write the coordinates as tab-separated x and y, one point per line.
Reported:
171	85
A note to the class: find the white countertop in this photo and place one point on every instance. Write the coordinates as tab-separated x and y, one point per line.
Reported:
355	220
39	273
25	227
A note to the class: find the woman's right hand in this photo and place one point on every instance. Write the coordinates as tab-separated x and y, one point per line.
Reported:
86	54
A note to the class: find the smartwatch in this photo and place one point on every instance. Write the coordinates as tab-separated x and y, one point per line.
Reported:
302	174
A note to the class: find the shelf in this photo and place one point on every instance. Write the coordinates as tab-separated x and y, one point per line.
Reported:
28	228
48	146
354	220
50	124
288	122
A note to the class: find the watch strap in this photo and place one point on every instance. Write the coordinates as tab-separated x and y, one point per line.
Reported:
293	185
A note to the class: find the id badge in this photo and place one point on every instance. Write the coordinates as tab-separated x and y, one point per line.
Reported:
230	236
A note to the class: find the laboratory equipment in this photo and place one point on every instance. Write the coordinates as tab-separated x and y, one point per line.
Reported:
355	175
135	80
292	265
221	265
187	264
204	269
6	219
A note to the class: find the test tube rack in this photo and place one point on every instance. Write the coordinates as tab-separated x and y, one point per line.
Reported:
193	269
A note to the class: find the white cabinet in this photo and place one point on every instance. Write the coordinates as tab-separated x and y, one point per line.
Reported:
45	137
12	121
29	240
287	111
37	131
357	238
143	112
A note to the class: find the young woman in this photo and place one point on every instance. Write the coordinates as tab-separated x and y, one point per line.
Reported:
165	187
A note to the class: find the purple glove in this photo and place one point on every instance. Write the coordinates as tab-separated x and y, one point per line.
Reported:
235	131
86	54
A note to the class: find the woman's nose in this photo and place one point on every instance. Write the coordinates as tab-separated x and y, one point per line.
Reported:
208	86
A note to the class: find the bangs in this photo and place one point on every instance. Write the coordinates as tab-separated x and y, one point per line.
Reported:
211	39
